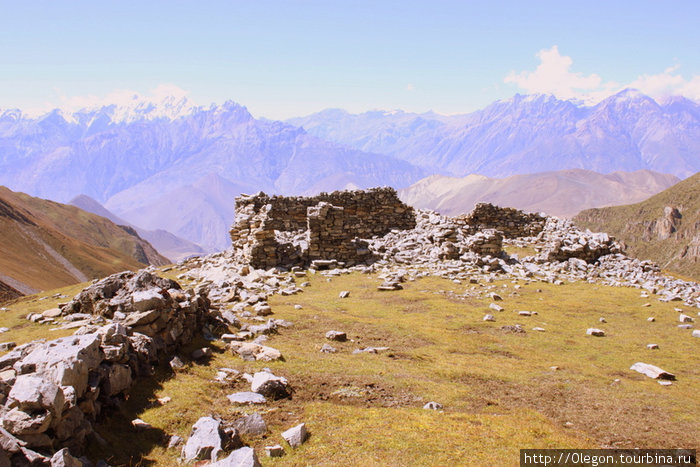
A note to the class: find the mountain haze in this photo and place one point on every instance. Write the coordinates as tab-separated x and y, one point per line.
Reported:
135	160
525	134
561	193
167	244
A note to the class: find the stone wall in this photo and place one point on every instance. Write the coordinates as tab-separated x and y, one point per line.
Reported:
52	392
284	231
512	222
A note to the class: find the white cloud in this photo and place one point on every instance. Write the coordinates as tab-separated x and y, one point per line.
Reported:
554	76
410	87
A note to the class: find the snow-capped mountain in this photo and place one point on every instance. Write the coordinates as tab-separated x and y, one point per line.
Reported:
133	158
525	134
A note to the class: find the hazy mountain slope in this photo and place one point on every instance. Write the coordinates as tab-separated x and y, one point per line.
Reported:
525	134
559	193
665	228
95	154
135	160
203	210
167	244
47	244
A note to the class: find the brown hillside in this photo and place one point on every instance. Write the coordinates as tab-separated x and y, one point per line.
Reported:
560	193
47	244
665	228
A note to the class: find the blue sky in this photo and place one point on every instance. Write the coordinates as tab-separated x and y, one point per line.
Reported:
288	58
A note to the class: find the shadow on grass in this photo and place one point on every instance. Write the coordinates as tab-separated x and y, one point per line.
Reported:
127	445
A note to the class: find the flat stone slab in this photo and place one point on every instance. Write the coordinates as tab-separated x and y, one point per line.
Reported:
652	371
246	397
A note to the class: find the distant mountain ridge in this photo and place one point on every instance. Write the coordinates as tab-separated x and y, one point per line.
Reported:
525	134
175	166
47	244
664	228
559	193
167	244
138	161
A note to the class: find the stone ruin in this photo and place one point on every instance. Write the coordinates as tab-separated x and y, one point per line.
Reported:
274	231
277	231
53	392
512	223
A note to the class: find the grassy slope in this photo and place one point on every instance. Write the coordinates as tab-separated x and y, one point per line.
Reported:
93	244
498	389
628	224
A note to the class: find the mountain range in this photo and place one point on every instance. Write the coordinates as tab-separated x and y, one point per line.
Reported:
47	245
560	193
525	134
176	167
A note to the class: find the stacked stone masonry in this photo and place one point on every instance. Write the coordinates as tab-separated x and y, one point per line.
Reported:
513	223
284	231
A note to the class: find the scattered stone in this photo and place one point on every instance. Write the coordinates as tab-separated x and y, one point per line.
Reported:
685	318
602	320
525	313
250	352
664	383
595	332
652	346
246	398
204	442
514	328
651	319
241	457
344	294
646	305
52	313
370	350
652	371
6	346
298	307
328	349
176	363
495	307
696	333
269	385
388	286
538	329
433	406
685	326
198	354
337	336
495	297
274	451
489	318
140	424
296	436
252	424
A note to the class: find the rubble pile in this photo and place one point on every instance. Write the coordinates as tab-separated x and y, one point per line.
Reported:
53	391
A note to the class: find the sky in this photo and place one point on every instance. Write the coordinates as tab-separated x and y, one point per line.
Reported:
289	58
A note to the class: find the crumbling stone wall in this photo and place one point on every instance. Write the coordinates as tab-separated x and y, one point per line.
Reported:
513	223
283	231
52	392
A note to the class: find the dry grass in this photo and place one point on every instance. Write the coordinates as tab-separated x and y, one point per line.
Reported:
497	388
